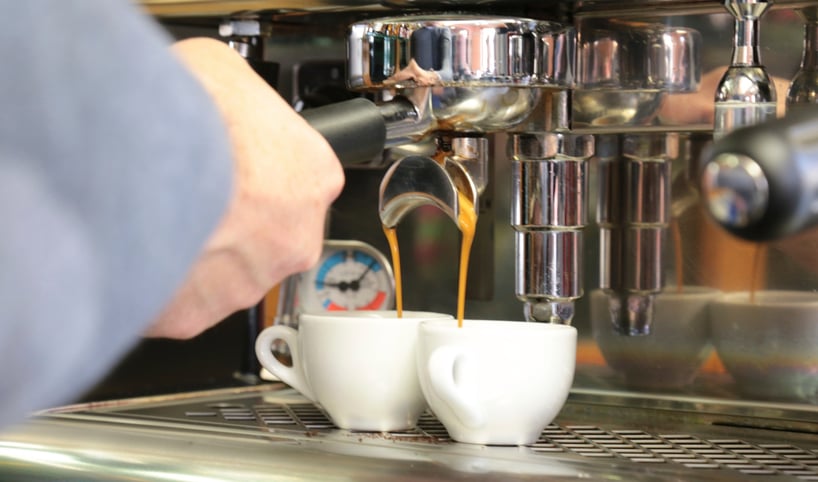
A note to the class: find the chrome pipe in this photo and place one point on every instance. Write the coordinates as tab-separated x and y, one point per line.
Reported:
548	213
803	89
746	94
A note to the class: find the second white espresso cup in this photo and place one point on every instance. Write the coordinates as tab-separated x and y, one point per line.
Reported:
496	382
358	365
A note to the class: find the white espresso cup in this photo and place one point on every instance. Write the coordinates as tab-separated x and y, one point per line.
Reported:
358	365
496	382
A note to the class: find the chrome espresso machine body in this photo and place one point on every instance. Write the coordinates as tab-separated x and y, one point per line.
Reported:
632	164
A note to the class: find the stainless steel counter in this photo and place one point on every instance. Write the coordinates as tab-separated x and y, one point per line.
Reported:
272	433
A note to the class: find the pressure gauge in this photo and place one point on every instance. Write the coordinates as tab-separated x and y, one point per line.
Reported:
350	275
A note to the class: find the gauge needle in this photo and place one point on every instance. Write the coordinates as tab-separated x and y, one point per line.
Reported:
356	284
353	285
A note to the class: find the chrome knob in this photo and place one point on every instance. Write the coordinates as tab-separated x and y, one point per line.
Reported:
735	190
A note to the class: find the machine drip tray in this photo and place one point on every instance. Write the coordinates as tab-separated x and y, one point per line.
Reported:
598	435
622	445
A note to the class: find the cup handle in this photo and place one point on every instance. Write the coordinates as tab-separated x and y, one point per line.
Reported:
292	376
442	365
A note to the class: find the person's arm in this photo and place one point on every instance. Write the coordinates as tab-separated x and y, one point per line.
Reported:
137	190
114	170
286	178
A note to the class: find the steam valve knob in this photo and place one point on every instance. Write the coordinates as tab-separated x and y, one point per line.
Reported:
761	182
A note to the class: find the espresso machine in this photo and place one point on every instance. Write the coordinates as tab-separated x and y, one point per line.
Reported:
631	164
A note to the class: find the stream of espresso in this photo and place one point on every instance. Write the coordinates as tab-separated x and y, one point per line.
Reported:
466	222
392	238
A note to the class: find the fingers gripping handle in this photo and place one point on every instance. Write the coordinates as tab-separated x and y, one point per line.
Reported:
443	366
292	376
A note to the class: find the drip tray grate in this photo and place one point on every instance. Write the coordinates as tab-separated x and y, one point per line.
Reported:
587	441
690	451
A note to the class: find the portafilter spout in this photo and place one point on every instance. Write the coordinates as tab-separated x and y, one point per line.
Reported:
419	180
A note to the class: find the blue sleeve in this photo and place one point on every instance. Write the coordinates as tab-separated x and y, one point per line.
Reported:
114	169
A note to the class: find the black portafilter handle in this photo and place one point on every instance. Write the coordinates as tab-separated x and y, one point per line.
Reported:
358	130
761	182
355	128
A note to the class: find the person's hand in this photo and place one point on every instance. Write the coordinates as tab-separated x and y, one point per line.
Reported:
286	176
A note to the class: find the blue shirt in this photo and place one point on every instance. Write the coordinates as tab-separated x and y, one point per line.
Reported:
114	169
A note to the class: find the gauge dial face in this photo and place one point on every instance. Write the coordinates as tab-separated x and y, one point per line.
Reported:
350	275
